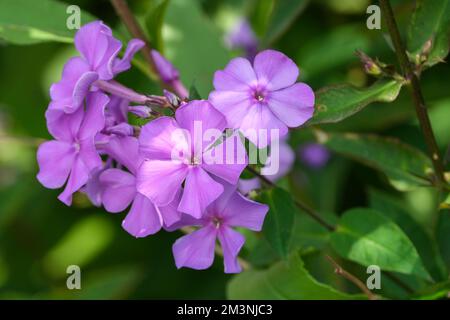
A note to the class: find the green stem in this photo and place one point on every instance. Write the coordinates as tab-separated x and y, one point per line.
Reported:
417	96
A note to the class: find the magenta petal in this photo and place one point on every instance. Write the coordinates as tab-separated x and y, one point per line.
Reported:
119	189
55	159
242	212
196	250
79	175
233	104
294	105
238	75
125	63
275	70
258	124
94	117
170	213
72	71
200	190
247	185
93	188
143	219
162	137
231	242
160	180
125	151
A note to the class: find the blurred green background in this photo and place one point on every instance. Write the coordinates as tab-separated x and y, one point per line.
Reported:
40	237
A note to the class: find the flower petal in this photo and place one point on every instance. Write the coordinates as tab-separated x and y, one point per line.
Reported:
238	75
73	69
160	180
143	219
231	242
294	105
162	139
79	175
166	70
125	151
170	213
260	125
200	190
55	159
63	126
94	117
119	189
120	65
234	105
275	70
196	250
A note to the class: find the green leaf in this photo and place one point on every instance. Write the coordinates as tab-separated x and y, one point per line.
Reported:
283	15
431	21
25	22
193	44
285	280
405	166
154	22
193	93
443	232
279	221
367	237
335	103
392	208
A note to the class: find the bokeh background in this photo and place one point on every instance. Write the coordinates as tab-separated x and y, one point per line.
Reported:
40	237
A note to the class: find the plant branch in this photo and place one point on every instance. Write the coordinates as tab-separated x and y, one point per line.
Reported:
350	277
311	212
417	96
243	263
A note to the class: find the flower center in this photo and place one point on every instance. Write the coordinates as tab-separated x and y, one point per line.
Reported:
217	222
259	96
194	161
77	146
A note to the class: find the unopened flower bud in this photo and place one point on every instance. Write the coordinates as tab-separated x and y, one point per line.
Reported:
140	111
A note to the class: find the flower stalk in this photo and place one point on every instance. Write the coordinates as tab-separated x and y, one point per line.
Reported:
417	96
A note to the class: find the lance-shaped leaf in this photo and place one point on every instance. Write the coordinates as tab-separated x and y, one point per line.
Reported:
367	237
279	220
29	22
430	25
405	166
336	103
284	280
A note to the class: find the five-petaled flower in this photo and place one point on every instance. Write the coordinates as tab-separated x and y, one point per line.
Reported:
262	97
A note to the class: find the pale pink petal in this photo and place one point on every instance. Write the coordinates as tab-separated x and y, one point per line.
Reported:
79	175
94	117
170	213
233	104
196	250
294	105
160	180
124	64
125	151
200	190
63	126
275	70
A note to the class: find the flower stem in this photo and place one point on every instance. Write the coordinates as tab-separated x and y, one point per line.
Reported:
302	206
417	96
347	275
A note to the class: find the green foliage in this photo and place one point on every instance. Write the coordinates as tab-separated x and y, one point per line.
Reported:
369	238
405	166
284	280
25	22
280	219
334	104
430	22
154	21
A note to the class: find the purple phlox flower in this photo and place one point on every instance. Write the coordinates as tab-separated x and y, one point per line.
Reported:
262	97
175	151
93	188
99	61
119	191
243	37
72	154
314	155
231	209
286	159
169	74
